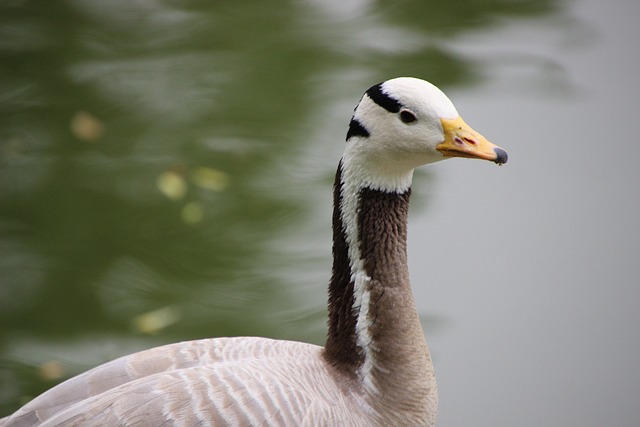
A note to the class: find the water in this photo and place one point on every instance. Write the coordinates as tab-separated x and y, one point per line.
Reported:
166	168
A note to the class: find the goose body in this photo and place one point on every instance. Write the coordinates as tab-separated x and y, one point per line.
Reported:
375	369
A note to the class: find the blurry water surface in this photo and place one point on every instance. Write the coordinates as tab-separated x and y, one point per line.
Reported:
166	166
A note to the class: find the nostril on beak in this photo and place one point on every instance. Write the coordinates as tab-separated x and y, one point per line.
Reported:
465	141
501	156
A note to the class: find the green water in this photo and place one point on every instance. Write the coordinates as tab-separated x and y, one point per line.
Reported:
163	164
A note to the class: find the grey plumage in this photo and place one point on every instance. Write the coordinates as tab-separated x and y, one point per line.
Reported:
242	381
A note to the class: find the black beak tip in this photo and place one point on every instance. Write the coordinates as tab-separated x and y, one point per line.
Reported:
501	156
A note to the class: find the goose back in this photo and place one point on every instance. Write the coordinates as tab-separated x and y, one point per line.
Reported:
242	381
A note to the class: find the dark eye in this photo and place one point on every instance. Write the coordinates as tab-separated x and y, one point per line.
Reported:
407	116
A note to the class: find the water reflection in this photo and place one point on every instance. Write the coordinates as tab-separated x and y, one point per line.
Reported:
145	148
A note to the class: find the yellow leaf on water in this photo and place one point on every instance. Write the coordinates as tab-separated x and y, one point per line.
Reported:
192	213
172	185
86	127
52	370
210	179
154	321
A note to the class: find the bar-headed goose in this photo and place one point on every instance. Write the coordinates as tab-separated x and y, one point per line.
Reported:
375	369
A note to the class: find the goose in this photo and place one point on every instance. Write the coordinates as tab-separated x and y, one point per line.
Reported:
375	368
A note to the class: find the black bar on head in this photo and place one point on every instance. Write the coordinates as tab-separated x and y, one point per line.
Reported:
377	95
356	129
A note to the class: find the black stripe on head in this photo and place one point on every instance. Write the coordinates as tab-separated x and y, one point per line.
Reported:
378	96
356	129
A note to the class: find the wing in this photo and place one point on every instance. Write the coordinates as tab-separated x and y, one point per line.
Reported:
226	381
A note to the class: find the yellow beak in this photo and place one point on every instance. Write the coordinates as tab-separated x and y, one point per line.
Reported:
462	141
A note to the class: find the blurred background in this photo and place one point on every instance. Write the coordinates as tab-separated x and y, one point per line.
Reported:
166	171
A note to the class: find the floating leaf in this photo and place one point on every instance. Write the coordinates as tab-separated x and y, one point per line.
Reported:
192	213
154	321
210	179
52	370
172	185
86	126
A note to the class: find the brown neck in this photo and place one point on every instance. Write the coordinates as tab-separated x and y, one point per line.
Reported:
381	236
379	341
402	371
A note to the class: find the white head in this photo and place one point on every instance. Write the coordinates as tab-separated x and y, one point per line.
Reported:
404	123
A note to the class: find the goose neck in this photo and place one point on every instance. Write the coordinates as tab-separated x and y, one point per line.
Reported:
371	310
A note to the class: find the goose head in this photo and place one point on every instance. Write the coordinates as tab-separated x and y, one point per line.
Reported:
404	123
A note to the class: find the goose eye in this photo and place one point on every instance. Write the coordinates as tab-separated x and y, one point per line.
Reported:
407	116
